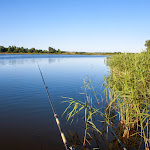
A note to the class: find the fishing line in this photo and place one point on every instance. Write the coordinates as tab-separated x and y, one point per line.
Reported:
54	112
57	120
112	130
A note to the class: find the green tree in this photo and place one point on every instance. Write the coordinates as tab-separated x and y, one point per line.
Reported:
59	52
32	50
26	50
16	50
147	45
1	49
9	49
13	48
21	50
52	50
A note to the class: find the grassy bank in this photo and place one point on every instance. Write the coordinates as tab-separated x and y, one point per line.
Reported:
126	113
129	86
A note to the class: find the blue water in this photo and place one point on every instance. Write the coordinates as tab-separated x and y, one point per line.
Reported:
26	119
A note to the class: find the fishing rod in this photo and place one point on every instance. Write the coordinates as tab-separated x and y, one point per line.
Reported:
57	120
54	113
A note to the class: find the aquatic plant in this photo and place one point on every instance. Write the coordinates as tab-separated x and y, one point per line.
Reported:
91	113
127	110
129	82
77	106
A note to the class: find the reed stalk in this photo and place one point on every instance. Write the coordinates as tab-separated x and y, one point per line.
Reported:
129	78
127	97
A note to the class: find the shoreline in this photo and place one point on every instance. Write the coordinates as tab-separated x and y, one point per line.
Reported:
56	54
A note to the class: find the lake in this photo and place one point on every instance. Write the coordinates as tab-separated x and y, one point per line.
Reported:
26	118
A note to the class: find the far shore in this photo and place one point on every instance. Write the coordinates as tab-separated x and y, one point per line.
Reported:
66	53
50	51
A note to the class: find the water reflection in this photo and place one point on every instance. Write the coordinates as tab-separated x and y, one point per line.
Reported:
52	60
106	140
24	107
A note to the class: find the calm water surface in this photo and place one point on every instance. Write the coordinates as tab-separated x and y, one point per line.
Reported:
26	119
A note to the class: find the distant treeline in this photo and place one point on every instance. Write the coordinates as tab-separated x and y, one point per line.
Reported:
14	49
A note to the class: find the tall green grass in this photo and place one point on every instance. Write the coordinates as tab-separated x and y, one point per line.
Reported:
87	109
129	83
92	115
127	102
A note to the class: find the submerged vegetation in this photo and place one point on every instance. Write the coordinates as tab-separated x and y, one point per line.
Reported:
127	109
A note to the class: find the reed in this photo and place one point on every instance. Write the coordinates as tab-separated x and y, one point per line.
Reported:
129	81
90	114
87	110
127	102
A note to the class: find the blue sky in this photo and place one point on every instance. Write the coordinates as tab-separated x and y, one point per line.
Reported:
76	25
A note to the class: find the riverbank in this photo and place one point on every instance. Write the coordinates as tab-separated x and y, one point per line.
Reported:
22	50
66	53
129	95
125	111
